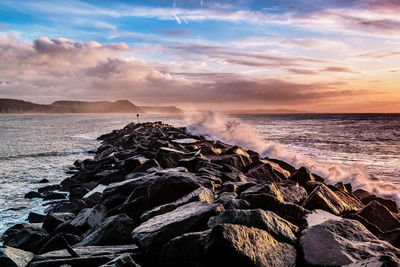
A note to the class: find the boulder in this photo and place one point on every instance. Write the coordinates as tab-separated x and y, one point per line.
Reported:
54	195
185	250
225	197
90	256
33	194
238	161
324	198
265	188
302	176
382	261
393	237
125	260
151	163
89	217
289	211
390	204
57	242
13	257
74	206
334	241
264	173
52	220
238	204
35	217
292	192
279	228
238	245
25	236
160	229
201	194
111	231
380	216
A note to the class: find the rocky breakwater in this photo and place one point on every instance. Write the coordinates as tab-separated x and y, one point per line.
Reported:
155	195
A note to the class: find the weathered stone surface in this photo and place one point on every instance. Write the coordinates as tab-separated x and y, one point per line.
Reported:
264	173
324	198
289	211
383	261
52	220
25	236
393	237
265	188
237	245
57	242
125	260
237	204
113	230
201	194
302	176
334	241
292	192
390	204
186	250
89	217
160	229
278	227
380	216
35	217
74	206
90	256
13	257
33	194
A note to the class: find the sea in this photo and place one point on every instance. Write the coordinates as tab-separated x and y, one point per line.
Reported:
363	149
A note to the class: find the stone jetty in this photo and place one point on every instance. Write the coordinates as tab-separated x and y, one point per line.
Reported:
156	195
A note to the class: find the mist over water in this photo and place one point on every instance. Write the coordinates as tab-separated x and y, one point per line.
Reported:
361	149
241	130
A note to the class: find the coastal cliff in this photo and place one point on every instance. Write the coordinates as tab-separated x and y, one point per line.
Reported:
156	195
15	106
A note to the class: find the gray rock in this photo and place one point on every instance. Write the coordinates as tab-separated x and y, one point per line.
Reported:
160	229
52	220
125	260
302	176
25	236
201	194
334	241
292	192
13	257
111	231
238	245
89	217
185	250
278	227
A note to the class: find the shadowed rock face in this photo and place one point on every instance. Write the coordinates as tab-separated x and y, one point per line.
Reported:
156	195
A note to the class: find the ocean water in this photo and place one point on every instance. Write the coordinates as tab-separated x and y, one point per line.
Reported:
360	148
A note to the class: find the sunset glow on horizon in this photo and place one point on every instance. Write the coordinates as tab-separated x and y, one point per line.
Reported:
318	56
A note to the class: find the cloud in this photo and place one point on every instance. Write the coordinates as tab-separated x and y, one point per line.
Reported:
302	71
338	69
380	54
179	32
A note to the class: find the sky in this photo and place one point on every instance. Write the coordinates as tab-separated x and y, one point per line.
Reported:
311	55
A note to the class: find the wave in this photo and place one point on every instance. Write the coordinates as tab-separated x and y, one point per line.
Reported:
215	126
44	154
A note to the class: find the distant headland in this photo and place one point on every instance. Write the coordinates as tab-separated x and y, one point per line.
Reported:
121	106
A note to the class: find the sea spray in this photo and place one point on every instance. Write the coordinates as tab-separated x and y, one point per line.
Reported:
216	126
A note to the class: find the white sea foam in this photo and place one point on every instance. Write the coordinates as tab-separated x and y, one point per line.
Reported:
234	131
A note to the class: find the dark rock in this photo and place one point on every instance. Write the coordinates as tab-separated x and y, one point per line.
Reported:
194	163
289	211
125	260
186	250
33	194
34	217
225	197
90	256
190	217
238	161
54	195
25	236
111	231
269	188
151	163
302	176
390	204
292	192
284	165
311	185
13	257
52	220
279	228
88	218
334	241
237	204
237	245
201	194
324	198
380	216
361	194
57	242
43	181
74	206
393	237
382	261
132	163
264	173
80	190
